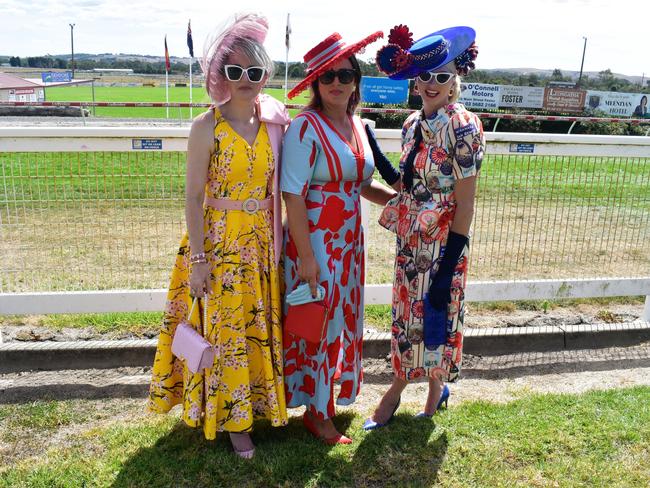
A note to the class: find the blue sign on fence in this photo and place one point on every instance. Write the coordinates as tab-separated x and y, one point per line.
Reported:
146	144
383	90
522	148
56	76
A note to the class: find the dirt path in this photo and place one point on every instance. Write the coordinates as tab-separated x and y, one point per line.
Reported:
493	378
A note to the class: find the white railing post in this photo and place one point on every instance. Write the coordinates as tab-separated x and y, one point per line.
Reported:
646	309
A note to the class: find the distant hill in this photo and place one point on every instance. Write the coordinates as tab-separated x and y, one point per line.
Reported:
572	74
123	57
113	57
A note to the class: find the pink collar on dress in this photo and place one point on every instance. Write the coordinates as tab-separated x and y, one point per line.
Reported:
271	110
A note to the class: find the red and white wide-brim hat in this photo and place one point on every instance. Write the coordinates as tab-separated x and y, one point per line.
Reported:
326	53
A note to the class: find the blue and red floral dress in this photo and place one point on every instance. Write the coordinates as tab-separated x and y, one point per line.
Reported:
320	165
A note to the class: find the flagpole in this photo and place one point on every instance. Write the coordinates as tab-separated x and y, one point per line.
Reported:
167	66
286	75
286	62
190	46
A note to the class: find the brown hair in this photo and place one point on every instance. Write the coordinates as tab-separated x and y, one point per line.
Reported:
316	102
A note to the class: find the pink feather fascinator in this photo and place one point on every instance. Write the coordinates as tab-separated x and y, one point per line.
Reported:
219	45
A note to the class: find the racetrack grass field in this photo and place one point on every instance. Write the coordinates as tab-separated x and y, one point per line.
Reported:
114	220
83	93
598	438
160	175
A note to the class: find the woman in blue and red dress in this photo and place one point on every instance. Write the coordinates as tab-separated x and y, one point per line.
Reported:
327	166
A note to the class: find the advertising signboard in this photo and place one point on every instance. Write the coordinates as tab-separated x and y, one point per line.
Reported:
564	99
480	95
521	96
56	76
616	104
383	90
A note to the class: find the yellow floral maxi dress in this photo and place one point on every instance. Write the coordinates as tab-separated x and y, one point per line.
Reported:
244	309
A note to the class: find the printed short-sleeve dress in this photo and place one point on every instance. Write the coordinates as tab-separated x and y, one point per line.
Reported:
452	148
319	164
243	307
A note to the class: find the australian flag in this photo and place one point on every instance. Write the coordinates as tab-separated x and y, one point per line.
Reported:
190	43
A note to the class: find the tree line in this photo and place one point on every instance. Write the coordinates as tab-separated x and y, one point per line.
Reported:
605	80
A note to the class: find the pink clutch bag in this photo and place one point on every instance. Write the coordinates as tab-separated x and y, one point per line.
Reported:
191	346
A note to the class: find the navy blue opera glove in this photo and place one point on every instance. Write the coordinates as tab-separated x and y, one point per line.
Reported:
440	284
383	165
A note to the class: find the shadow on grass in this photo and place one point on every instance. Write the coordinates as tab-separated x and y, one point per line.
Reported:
286	456
400	454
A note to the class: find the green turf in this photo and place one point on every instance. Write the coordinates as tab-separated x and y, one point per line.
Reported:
156	175
376	316
83	93
595	439
583	180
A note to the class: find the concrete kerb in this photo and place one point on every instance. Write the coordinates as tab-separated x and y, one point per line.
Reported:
27	356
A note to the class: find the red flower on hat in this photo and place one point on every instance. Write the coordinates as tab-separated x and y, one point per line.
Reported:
465	60
402	59
401	36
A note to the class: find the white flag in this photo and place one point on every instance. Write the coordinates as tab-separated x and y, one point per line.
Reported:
287	33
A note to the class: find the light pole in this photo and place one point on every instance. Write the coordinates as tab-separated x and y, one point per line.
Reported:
72	46
583	60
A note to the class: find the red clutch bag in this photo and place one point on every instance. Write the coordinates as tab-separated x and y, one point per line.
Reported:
307	321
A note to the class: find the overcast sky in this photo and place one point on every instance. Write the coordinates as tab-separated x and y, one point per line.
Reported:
511	33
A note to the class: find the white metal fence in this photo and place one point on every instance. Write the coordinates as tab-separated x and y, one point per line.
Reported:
90	218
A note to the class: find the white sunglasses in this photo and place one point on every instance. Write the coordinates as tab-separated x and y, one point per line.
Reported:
234	72
441	78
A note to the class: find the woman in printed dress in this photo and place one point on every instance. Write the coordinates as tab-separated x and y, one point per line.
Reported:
229	257
327	166
442	151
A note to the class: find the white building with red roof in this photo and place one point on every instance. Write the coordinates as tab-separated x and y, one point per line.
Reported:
15	89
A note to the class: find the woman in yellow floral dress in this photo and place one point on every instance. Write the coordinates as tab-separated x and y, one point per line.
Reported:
229	255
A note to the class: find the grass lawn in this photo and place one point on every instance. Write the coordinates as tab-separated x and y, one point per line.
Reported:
519	180
376	316
83	93
599	438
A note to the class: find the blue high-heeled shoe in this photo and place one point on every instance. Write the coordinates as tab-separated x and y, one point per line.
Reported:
370	424
444	398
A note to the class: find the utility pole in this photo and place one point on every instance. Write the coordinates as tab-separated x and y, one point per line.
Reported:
72	46
583	60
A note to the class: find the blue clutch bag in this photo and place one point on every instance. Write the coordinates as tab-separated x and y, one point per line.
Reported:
302	294
435	325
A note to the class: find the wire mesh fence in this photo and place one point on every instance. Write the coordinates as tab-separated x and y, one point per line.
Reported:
113	220
89	221
553	217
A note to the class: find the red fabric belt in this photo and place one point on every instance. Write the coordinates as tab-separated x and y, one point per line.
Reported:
337	186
